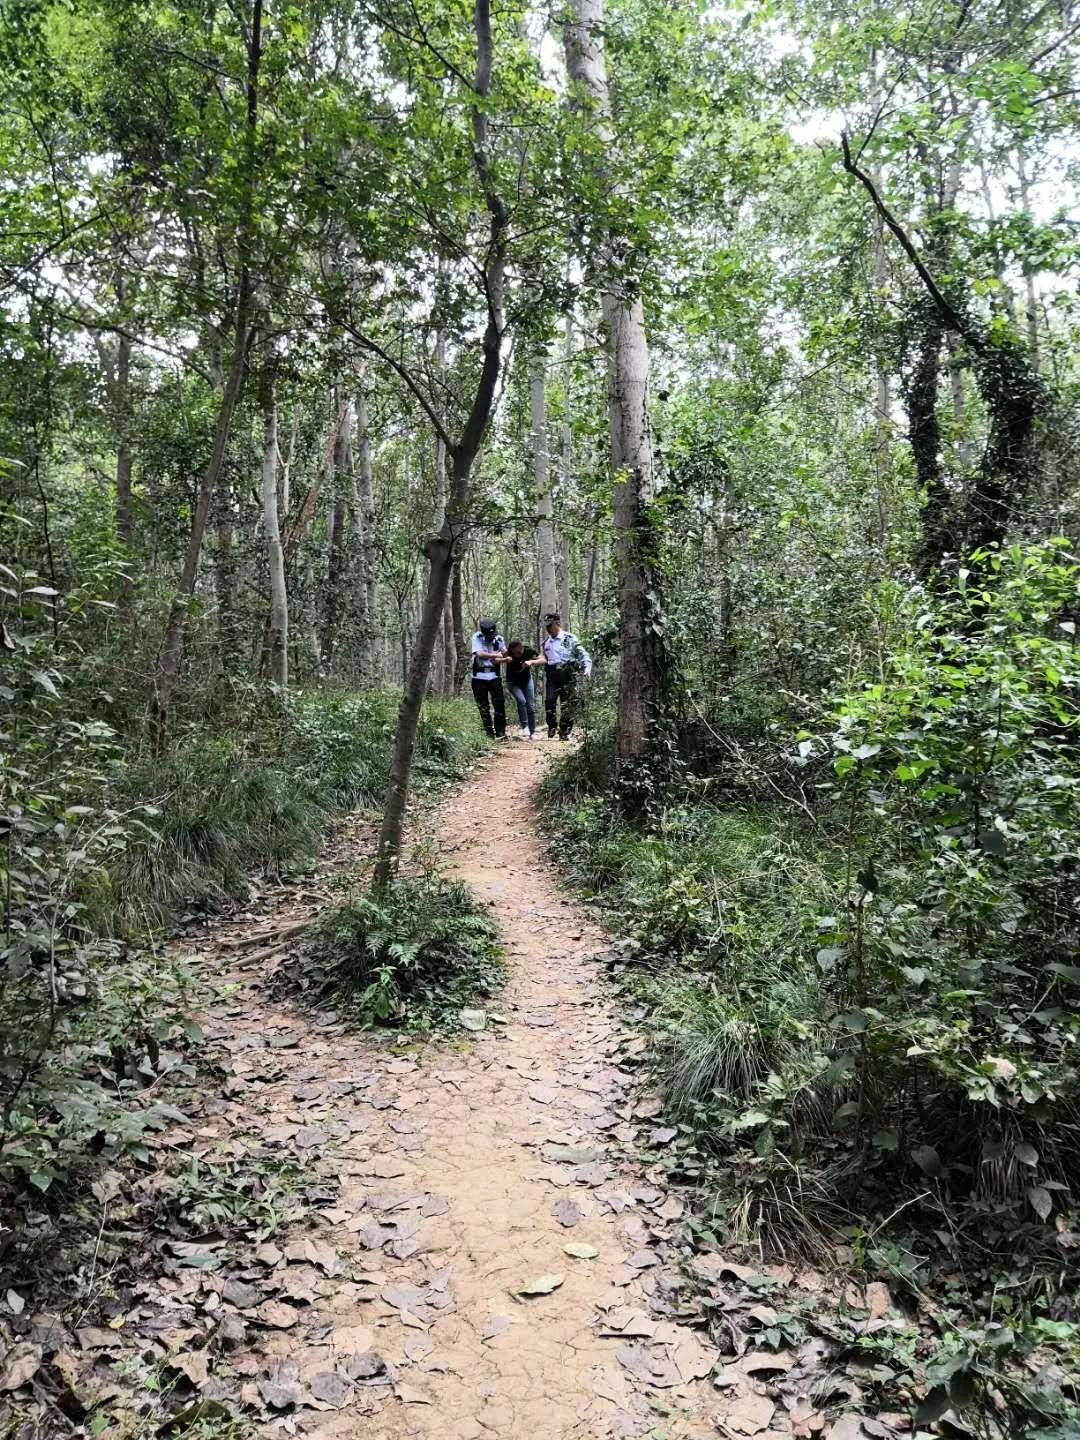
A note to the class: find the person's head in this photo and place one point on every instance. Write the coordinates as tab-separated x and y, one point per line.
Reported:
516	649
551	623
488	629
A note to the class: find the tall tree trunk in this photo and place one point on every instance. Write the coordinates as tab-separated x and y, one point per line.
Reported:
369	657
172	645
225	579
545	529
457	621
441	547
442	680
279	600
641	669
338	541
125	522
566	455
1031	302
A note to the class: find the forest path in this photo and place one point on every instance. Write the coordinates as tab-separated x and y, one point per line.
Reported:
491	1158
437	1180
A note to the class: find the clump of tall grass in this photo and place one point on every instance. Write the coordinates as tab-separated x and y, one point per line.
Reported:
258	800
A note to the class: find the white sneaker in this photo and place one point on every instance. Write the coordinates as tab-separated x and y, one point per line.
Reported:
523	734
531	735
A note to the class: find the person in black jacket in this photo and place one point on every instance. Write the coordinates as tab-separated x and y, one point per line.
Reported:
520	660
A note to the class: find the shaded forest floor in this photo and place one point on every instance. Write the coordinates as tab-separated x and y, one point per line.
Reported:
351	1233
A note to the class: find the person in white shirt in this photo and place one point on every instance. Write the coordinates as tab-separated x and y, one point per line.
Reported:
565	659
488	653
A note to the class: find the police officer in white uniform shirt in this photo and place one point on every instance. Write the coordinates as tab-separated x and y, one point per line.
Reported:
565	660
488	652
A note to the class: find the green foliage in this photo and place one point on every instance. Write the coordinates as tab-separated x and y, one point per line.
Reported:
411	956
100	855
885	989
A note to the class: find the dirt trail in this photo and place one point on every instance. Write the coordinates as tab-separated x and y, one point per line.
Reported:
439	1180
490	1159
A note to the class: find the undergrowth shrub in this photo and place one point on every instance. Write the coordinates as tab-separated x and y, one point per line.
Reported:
882	992
412	956
103	846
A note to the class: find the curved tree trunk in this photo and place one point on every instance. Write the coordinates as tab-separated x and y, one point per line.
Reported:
441	548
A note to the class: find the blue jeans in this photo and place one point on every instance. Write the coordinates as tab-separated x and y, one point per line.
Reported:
525	699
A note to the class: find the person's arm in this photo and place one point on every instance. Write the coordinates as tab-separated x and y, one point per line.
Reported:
586	659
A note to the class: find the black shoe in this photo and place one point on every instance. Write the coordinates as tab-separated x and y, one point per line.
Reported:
551	732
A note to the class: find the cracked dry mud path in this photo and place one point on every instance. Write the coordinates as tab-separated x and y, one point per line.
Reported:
464	1170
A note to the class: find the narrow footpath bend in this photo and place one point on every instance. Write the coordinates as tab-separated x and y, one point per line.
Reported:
503	1157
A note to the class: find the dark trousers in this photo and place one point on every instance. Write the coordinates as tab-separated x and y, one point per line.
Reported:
560	699
489	697
525	700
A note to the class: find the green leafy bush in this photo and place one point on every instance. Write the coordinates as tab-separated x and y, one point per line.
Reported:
411	957
102	847
885	988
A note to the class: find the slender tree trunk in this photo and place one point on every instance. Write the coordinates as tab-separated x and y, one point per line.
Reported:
279	600
172	645
1031	305
125	523
545	529
566	453
225	579
457	621
441	548
338	546
369	660
641	645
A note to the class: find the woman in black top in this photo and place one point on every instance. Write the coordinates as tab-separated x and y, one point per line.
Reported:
520	660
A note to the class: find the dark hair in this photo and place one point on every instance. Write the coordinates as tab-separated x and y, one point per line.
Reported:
554	616
514	643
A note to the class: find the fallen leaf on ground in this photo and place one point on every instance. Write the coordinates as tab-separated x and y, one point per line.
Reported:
330	1388
194	1366
277	1314
762	1361
566	1210
542	1285
649	1365
694	1360
242	1295
848	1427
352	1339
410	1395
282	1388
581	1251
418	1347
21	1365
593	1174
749	1415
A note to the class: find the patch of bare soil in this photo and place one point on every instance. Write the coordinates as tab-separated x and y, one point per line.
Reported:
440	1240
